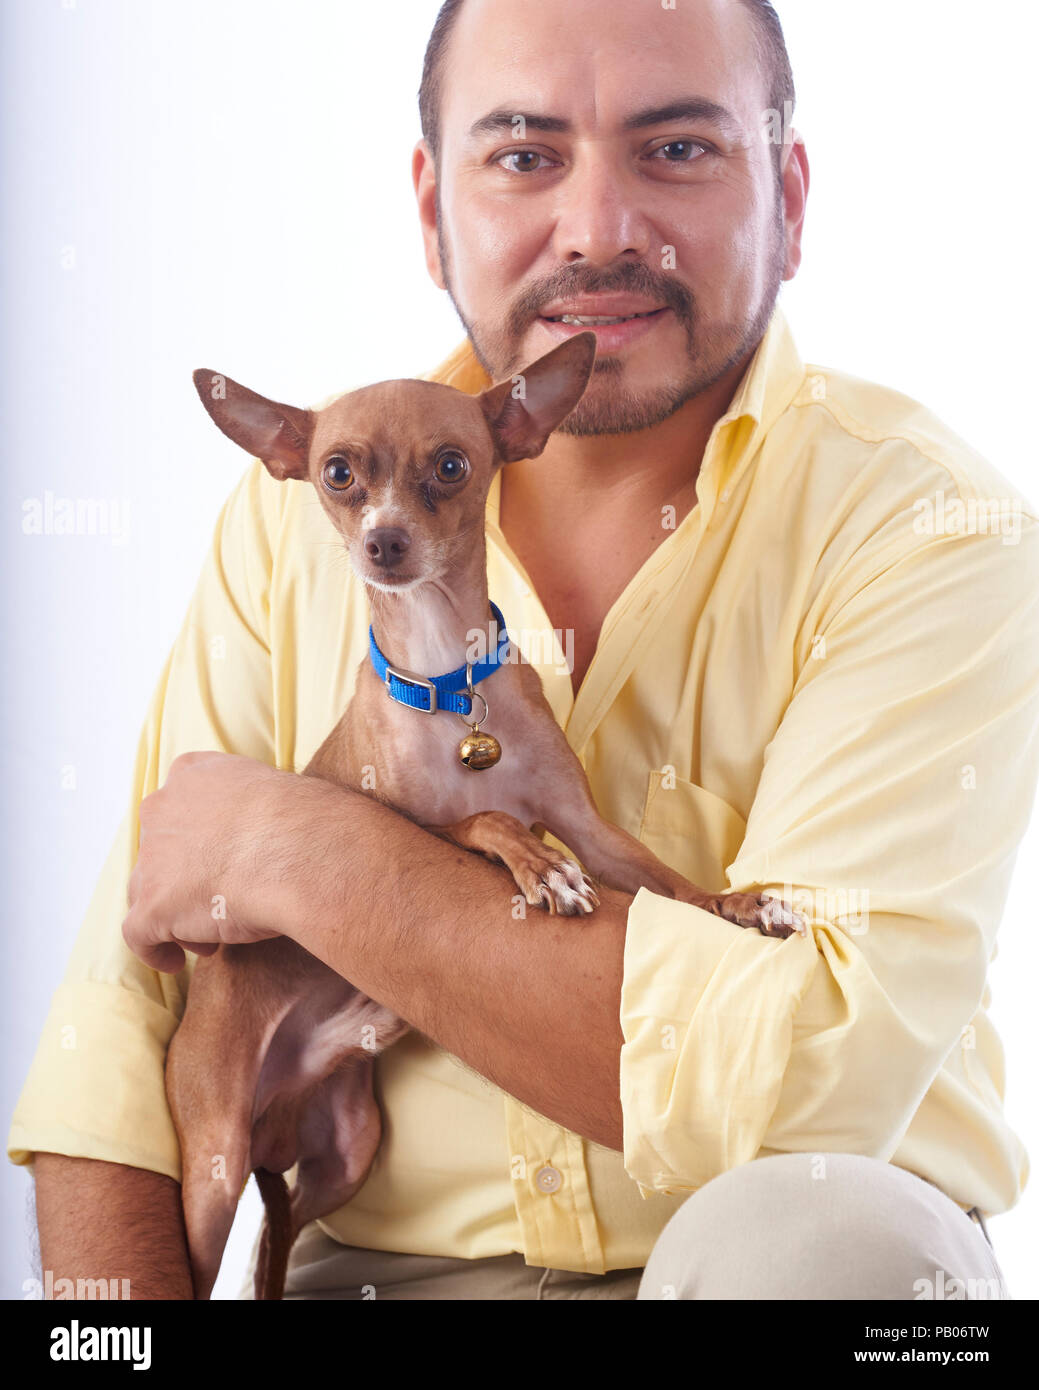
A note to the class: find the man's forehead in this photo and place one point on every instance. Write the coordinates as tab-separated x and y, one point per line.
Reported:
597	63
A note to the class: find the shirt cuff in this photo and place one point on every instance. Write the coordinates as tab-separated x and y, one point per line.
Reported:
96	1088
707	1011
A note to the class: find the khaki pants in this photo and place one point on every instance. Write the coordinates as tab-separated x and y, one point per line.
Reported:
795	1226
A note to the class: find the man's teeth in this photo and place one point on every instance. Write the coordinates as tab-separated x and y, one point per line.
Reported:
590	321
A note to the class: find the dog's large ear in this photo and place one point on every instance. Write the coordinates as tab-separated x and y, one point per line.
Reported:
523	412
278	434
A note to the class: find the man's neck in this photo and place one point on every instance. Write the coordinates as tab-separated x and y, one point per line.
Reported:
586	516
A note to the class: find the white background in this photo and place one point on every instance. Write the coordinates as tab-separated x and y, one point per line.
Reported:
232	180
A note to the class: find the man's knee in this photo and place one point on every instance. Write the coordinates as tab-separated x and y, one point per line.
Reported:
820	1226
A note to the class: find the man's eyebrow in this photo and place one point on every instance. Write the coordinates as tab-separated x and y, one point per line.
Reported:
503	120
688	109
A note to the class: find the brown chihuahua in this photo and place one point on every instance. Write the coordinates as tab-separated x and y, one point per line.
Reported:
403	470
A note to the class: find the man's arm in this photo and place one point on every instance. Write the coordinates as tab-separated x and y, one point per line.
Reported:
532	1004
107	1221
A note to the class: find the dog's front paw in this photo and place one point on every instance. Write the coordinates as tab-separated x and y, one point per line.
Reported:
557	884
770	916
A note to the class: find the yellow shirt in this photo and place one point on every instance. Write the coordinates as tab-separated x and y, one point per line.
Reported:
823	683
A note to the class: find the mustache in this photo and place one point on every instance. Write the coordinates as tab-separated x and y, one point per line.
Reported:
571	281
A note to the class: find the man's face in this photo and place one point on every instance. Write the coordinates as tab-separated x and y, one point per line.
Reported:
583	169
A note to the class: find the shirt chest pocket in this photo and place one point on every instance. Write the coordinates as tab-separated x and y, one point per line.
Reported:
691	830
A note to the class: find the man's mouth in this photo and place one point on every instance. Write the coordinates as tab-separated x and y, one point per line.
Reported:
614	332
599	320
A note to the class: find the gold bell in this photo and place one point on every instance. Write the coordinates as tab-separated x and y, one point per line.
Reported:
478	750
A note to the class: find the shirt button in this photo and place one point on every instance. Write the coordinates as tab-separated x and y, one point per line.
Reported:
548	1179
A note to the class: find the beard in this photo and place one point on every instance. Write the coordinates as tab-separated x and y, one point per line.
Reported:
608	406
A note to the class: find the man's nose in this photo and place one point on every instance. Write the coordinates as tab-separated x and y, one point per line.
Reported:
599	216
386	545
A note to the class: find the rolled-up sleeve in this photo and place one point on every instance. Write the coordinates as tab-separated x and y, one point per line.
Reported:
96	1085
891	803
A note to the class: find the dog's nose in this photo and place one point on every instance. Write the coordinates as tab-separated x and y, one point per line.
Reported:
386	545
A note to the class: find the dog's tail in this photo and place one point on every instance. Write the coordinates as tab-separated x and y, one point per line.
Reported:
272	1260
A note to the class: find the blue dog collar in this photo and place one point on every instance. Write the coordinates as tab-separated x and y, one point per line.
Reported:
441	692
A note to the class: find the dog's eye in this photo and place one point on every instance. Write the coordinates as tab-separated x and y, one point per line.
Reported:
338	474
451	467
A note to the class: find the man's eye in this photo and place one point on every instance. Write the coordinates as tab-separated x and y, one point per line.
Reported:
528	161
681	151
451	468
337	473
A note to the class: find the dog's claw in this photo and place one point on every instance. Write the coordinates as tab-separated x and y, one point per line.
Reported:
770	916
589	893
784	916
561	888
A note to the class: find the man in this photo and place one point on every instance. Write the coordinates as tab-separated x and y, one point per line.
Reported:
794	670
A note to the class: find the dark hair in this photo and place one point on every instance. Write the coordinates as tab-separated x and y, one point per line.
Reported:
771	47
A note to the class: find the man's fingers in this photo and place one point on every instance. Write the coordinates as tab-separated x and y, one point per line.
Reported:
142	937
169	956
141	934
166	957
202	948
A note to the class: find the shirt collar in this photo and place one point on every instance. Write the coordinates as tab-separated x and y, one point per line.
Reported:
772	379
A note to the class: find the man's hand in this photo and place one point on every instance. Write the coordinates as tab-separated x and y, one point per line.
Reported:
206	858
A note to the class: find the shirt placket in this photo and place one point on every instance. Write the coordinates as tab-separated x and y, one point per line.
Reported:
553	1200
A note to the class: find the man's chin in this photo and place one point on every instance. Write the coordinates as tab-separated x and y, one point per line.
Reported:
619	411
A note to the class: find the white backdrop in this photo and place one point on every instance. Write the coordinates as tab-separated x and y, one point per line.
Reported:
225	183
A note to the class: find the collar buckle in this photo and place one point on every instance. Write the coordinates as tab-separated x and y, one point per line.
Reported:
409	678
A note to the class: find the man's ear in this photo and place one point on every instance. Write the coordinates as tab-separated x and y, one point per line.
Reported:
523	412
278	434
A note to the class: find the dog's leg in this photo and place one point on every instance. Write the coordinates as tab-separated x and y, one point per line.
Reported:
621	861
212	1069
336	1129
264	1024
316	1110
546	876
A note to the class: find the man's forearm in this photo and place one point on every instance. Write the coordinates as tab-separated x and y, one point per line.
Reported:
531	1004
109	1221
